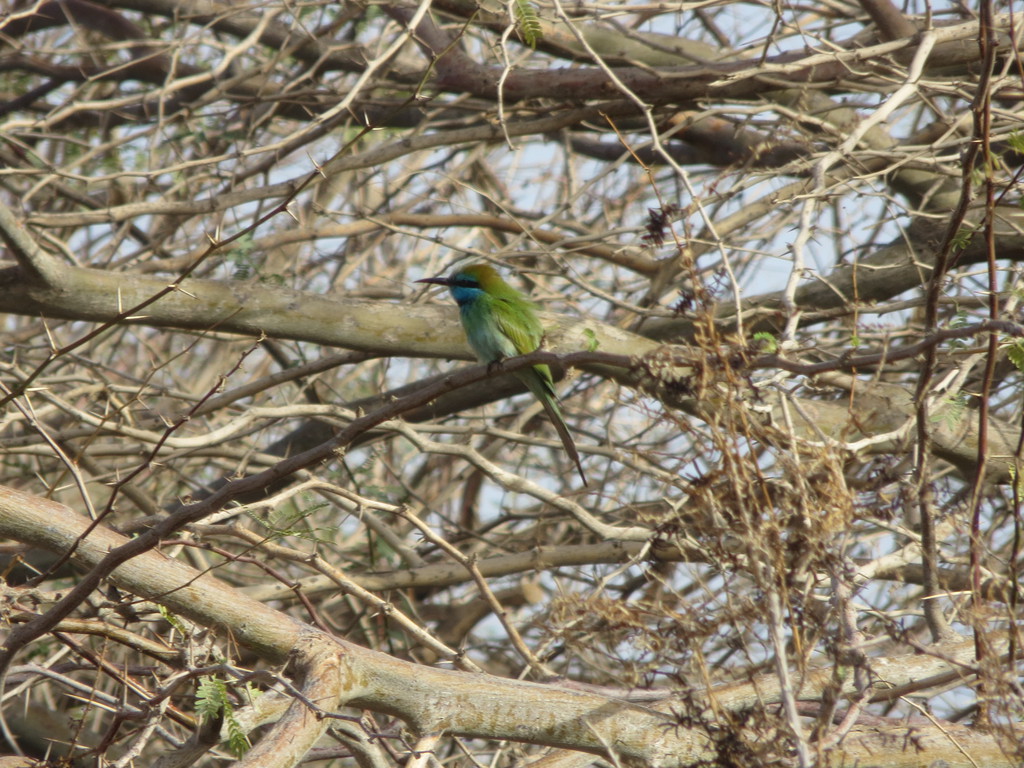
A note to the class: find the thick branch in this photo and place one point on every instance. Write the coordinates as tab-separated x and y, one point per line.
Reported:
434	700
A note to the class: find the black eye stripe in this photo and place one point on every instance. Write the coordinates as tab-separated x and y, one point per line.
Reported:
466	283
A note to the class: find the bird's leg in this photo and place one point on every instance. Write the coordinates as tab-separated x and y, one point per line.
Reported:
496	364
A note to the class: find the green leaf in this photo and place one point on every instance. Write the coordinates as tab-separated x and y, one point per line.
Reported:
1015	353
1015	483
767	342
951	411
171	619
962	238
960	320
211	697
238	742
241	256
212	701
528	22
1016	142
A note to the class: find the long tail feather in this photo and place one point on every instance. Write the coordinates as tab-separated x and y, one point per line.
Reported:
555	415
543	389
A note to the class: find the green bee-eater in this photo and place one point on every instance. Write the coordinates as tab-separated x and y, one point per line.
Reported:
500	322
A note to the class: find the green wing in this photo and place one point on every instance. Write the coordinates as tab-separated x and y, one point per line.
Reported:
517	321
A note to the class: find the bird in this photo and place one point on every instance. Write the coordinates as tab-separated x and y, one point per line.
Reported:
501	322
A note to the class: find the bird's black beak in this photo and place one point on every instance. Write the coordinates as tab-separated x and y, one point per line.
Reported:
436	281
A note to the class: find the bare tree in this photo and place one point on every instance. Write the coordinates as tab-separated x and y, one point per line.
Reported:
257	509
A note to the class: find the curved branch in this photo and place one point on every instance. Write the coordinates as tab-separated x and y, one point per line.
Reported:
432	700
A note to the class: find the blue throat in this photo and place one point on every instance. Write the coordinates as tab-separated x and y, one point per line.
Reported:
465	295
